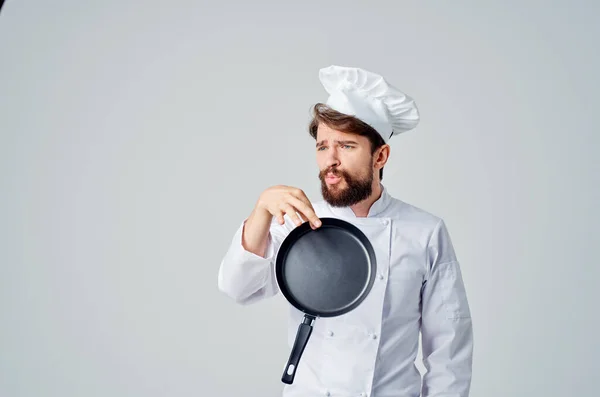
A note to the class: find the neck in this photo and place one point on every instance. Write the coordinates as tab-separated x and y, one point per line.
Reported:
361	209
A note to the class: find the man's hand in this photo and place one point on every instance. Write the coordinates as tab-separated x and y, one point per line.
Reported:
280	200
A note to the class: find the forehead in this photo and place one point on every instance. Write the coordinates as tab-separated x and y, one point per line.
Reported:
326	133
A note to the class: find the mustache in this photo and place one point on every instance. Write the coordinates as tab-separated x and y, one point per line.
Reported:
332	170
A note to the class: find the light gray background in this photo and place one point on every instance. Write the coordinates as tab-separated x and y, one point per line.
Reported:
136	136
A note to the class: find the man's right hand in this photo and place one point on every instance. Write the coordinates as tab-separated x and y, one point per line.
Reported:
280	200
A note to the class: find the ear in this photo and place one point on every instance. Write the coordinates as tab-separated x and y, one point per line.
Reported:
380	157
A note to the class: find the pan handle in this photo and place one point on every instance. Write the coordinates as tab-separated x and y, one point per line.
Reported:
304	331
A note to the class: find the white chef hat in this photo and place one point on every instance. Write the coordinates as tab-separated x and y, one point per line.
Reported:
370	98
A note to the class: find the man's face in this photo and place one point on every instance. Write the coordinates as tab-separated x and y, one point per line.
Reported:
346	166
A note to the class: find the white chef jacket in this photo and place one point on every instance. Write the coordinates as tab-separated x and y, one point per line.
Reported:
371	350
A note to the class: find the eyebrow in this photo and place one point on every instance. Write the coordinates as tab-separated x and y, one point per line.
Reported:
340	142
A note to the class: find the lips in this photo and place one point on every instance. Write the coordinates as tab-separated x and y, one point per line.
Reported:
332	179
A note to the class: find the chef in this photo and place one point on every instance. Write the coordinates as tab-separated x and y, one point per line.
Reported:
419	290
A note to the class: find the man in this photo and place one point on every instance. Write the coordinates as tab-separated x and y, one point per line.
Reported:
371	350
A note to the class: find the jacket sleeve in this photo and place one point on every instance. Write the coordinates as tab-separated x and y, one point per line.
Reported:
446	328
246	277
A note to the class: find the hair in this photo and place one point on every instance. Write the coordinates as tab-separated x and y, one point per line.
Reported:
344	123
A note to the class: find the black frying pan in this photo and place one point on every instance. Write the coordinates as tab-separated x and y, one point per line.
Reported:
325	272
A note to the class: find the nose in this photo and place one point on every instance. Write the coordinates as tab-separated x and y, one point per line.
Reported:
332	159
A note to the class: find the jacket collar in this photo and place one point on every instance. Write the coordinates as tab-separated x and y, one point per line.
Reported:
377	208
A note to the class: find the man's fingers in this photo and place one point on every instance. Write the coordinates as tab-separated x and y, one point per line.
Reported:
279	216
293	202
291	212
306	210
304	218
299	194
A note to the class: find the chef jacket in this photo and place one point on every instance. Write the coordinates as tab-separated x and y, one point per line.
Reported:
371	351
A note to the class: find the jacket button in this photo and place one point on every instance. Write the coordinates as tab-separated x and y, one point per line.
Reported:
327	393
330	333
381	276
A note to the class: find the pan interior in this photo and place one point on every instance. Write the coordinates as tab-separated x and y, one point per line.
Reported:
327	271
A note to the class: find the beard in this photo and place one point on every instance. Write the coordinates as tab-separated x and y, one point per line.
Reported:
356	190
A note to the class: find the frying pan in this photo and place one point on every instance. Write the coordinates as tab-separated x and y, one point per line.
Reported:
324	272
